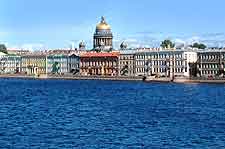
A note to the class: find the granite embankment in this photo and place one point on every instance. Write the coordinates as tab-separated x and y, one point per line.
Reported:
71	77
118	78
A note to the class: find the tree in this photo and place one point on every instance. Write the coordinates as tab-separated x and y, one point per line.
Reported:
55	67
199	46
3	48
167	44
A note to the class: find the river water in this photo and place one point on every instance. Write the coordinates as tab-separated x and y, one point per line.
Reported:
110	114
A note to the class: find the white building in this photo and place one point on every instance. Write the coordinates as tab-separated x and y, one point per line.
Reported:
166	63
9	64
189	58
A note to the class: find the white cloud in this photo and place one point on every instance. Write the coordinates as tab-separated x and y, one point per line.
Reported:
134	45
193	39
131	40
210	39
179	41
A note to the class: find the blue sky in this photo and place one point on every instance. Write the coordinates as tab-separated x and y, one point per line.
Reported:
57	23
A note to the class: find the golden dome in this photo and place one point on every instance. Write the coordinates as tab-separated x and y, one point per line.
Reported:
103	25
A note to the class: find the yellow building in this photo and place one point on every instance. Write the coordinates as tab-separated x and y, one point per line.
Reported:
34	64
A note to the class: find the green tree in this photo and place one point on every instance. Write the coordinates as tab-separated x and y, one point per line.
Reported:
167	44
55	67
3	48
199	46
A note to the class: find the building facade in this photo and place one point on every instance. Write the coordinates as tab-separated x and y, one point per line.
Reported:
165	63
211	63
74	64
34	64
49	64
190	63
10	64
126	63
63	64
57	64
105	64
102	40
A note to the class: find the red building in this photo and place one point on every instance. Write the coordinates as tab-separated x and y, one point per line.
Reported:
105	64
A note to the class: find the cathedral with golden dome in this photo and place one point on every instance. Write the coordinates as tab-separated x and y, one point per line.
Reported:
103	37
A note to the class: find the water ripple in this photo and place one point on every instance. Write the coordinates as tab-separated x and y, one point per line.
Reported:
110	114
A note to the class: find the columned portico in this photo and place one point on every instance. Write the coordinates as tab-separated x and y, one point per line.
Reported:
103	37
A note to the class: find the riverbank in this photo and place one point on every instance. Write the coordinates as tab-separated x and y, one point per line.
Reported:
185	80
117	78
71	77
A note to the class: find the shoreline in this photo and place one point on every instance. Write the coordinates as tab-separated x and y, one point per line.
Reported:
117	78
51	77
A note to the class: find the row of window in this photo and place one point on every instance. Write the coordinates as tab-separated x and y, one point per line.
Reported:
99	63
208	66
157	56
126	57
142	63
34	64
189	56
126	63
211	56
160	70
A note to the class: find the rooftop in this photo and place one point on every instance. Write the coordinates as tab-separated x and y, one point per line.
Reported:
130	51
102	54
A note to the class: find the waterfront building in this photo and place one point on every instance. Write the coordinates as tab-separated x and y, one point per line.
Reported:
103	63
39	64
126	61
57	64
211	63
190	63
34	64
9	64
102	40
62	64
74	64
164	63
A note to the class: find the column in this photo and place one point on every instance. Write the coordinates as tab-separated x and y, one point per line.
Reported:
94	43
